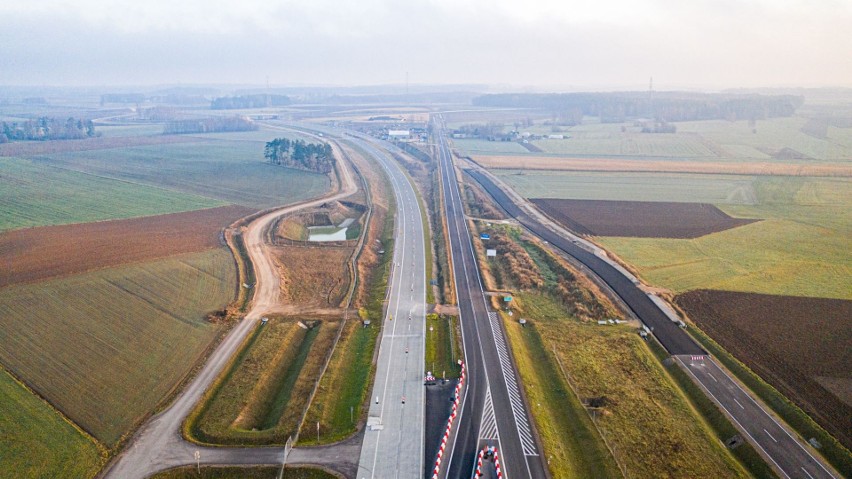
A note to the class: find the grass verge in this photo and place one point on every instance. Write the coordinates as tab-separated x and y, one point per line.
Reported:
572	444
442	346
721	425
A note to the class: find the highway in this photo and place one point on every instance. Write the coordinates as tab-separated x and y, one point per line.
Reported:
781	447
394	447
493	410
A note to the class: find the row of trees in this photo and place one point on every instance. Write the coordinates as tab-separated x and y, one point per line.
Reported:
298	154
209	125
249	101
46	128
662	106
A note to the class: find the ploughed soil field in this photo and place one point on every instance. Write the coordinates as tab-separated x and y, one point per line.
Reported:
639	219
34	254
802	346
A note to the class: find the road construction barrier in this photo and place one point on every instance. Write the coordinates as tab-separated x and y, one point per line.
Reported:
485	450
446	436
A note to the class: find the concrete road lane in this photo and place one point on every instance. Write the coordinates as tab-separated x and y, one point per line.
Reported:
393	447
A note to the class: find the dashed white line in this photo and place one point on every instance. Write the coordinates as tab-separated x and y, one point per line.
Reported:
738	403
770	435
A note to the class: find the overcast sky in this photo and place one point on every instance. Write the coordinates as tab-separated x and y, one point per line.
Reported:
584	44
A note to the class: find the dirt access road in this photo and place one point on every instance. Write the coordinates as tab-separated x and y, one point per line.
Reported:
159	444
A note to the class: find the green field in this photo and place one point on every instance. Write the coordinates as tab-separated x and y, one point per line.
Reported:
676	187
442	346
698	140
233	171
262	397
207	472
105	347
800	249
608	143
639	399
473	147
34	194
36	442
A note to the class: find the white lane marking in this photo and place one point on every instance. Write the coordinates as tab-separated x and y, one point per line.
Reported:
524	430
712	377
743	429
808	473
738	403
770	435
818	462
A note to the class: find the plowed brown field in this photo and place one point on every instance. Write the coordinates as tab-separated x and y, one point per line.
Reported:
641	219
34	254
802	346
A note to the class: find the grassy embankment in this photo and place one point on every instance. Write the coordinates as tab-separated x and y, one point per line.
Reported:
26	202
262	396
209	472
561	363
443	347
341	398
106	347
37	441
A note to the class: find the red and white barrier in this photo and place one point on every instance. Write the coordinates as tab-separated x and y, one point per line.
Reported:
452	418
485	450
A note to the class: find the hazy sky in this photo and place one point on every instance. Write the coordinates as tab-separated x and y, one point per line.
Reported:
564	43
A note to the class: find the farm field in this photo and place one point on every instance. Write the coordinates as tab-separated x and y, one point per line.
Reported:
34	254
800	248
697	140
646	165
682	188
261	399
37	442
75	197
641	219
106	346
231	171
474	147
636	398
30	149
799	345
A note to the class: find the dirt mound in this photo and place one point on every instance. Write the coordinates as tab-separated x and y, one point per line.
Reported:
641	219
799	345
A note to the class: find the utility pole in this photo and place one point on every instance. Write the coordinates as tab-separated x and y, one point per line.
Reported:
198	461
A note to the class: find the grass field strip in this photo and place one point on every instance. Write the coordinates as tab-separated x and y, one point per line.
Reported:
524	430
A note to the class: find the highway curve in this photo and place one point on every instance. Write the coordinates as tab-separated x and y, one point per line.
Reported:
673	338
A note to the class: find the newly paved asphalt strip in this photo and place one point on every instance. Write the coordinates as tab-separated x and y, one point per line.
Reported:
394	446
490	372
791	456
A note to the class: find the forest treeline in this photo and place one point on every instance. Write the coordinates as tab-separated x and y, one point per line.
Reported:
46	128
298	154
209	125
660	106
249	101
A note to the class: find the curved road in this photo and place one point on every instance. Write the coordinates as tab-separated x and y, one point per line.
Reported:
158	444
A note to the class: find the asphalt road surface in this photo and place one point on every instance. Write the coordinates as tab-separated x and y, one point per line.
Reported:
493	411
791	456
394	447
159	444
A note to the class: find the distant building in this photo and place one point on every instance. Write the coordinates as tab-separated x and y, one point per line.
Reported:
399	134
